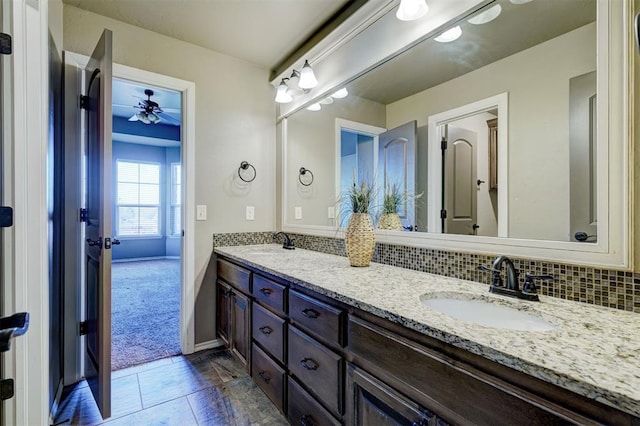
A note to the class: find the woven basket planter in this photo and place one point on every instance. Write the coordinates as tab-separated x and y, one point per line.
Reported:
390	221
360	240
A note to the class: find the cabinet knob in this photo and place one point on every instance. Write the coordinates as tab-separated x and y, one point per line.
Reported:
310	313
266	329
309	364
266	291
307	420
264	376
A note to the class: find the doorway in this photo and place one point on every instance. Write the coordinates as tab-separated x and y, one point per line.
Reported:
147	222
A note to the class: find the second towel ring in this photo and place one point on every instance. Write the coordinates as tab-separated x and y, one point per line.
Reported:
303	172
245	166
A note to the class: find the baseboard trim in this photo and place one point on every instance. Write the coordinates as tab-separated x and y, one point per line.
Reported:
138	259
208	345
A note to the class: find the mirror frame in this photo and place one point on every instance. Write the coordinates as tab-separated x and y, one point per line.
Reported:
613	248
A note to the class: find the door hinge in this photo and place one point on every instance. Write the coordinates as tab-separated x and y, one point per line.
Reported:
443	214
84	102
6	389
84	215
5	44
84	328
6	217
443	144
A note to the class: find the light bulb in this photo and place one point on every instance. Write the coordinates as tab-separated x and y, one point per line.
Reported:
282	97
339	94
327	101
410	10
314	107
153	117
142	116
486	16
449	35
307	77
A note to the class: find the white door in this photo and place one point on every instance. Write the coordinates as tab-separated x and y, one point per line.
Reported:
97	103
459	181
397	166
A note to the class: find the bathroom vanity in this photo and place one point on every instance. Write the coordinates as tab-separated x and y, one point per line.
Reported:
332	344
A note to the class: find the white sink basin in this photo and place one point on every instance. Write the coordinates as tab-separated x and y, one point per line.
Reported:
487	314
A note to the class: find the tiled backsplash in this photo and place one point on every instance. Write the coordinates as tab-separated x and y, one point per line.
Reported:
604	287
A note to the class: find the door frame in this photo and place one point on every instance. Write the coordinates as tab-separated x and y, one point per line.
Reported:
187	153
437	124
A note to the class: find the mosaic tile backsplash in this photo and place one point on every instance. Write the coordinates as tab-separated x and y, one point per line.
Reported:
587	284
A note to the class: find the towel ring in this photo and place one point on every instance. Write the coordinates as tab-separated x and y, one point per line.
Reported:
245	166
303	172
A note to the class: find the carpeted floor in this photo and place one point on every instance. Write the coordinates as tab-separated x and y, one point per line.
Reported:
145	304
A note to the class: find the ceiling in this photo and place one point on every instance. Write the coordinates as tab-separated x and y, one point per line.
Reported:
263	32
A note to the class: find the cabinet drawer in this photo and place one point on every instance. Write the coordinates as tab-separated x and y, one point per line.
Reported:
319	318
235	275
268	292
269	330
318	368
268	376
303	409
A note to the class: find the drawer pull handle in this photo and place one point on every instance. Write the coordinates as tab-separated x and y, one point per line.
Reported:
307	420
266	291
309	364
264	377
310	313
266	329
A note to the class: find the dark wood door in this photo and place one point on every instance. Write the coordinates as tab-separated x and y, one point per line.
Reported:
240	328
223	311
98	225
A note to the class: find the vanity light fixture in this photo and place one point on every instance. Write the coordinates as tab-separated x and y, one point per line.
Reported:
282	95
327	101
307	77
449	35
486	16
339	94
314	107
410	10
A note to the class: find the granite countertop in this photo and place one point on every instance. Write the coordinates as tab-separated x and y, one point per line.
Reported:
594	351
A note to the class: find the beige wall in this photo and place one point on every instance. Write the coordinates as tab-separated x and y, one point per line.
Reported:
537	81
234	122
311	144
55	23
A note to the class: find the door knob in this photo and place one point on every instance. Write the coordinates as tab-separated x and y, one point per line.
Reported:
93	243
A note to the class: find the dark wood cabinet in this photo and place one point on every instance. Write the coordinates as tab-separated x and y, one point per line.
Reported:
269	376
240	343
223	311
371	402
269	331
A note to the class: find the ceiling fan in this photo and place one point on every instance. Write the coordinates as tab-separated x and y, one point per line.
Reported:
150	112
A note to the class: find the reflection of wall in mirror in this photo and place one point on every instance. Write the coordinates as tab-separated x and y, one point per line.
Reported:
537	80
311	142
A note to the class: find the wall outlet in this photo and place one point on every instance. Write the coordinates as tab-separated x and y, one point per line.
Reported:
298	213
201	212
331	213
250	213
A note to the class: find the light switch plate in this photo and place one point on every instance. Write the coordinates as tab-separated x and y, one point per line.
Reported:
298	213
250	213
331	213
201	212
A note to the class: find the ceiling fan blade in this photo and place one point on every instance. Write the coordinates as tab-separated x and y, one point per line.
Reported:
134	117
168	119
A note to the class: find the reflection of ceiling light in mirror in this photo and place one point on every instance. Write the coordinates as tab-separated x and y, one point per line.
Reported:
410	10
282	97
342	93
327	101
449	35
520	1
486	16
307	77
314	107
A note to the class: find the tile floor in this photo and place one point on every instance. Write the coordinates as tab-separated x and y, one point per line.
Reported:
205	388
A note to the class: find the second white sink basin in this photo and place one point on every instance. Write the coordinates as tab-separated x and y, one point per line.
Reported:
487	314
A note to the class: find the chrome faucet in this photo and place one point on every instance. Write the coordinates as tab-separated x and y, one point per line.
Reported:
287	241
512	288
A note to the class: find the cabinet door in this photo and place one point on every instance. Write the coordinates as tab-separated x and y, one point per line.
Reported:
371	402
240	328
223	313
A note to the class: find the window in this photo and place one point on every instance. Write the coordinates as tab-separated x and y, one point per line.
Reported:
175	224
138	198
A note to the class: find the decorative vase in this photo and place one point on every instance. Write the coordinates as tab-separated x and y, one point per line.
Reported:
390	221
360	240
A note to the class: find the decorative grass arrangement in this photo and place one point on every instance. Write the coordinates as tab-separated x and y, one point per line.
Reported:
392	199
360	198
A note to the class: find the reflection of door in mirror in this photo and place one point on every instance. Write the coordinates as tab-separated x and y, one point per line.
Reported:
583	178
471	207
397	166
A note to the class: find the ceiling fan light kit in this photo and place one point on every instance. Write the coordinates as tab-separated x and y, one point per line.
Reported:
149	110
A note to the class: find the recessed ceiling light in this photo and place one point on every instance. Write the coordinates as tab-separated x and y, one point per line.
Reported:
314	107
327	101
449	35
410	10
339	94
486	16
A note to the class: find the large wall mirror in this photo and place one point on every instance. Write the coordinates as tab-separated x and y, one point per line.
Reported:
490	126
